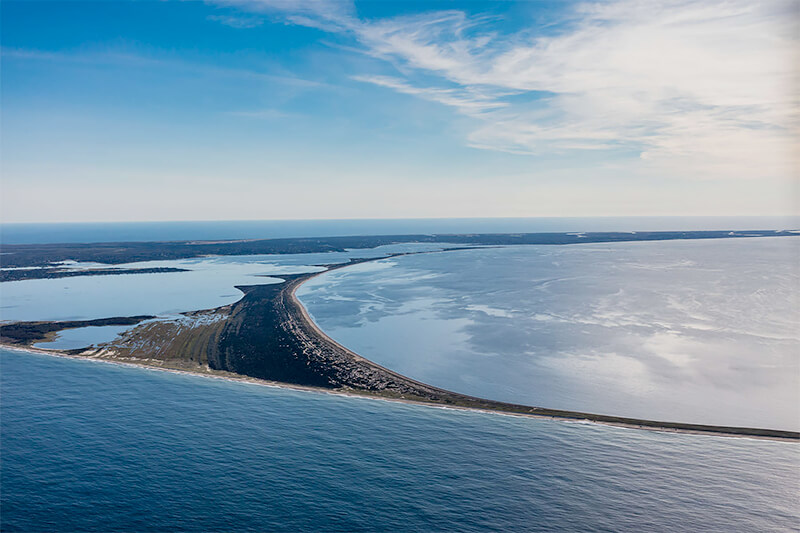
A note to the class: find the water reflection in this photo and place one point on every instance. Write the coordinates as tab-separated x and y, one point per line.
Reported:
71	339
695	331
209	283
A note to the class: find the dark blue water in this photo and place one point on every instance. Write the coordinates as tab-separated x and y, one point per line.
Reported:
268	229
94	447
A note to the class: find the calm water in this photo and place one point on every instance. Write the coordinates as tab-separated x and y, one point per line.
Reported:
691	331
94	447
268	229
70	339
209	283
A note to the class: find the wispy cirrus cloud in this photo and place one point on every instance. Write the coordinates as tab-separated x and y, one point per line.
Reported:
328	15
236	22
697	89
466	100
134	59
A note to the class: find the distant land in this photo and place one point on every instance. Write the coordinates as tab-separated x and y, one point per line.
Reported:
220	230
55	272
50	256
267	335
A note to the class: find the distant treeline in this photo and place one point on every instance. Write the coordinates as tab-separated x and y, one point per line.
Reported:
26	255
46	273
30	332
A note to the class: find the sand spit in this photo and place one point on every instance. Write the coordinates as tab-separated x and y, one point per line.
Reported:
268	338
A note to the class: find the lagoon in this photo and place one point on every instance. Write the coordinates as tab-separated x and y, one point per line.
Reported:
210	282
691	331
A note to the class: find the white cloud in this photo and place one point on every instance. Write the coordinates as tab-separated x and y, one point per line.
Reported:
702	89
133	59
328	15
236	22
466	100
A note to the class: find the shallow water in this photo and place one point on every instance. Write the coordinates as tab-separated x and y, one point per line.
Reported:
70	339
89	446
210	283
690	331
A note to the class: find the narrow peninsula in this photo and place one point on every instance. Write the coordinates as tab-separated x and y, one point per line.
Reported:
269	336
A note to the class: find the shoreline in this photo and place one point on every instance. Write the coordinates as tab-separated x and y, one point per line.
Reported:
365	395
537	412
278	330
117	253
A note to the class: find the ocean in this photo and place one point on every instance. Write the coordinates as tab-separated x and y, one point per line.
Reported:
273	229
89	446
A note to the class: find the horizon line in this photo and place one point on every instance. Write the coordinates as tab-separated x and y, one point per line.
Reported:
356	219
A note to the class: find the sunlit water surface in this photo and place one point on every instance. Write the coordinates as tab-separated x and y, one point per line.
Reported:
208	283
71	339
691	331
89	446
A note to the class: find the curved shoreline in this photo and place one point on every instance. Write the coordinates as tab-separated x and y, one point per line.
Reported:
236	378
291	291
269	338
446	398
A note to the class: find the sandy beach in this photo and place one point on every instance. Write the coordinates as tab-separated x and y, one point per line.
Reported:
270	329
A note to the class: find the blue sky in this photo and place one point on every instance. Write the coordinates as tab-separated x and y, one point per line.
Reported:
266	109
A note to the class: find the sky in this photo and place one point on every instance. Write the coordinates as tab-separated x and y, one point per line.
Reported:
277	109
